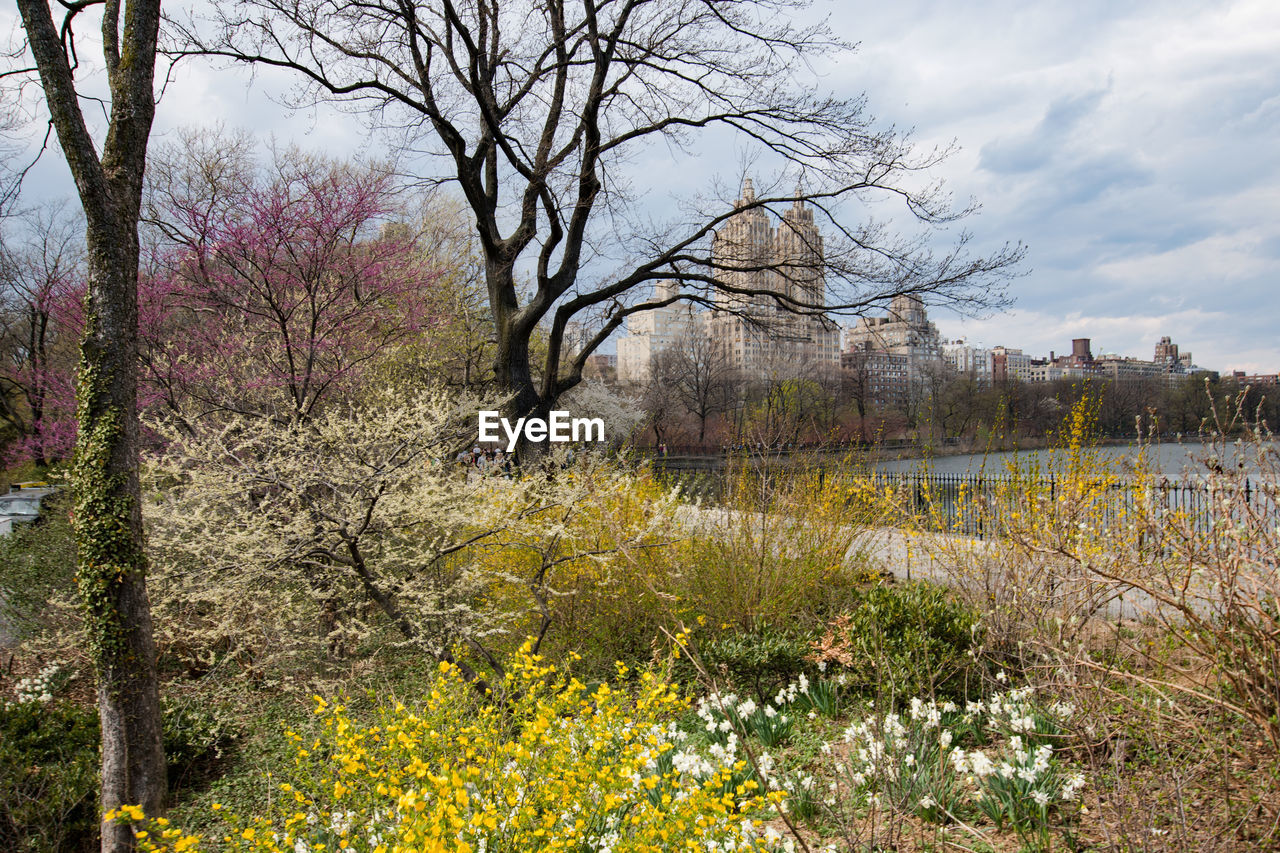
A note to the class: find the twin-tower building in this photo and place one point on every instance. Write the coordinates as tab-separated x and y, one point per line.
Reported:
768	320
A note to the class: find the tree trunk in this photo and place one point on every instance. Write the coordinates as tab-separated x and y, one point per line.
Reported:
111	565
515	378
511	368
512	364
111	570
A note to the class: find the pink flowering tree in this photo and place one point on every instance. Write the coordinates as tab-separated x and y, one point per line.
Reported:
278	296
41	276
266	298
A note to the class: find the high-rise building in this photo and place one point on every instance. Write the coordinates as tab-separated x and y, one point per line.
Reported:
651	332
967	360
1009	364
896	357
768	309
876	376
1167	353
1176	362
1118	368
906	330
767	313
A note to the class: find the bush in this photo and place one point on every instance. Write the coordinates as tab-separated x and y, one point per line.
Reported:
905	640
760	660
612	603
49	768
555	766
195	738
48	777
37	561
783	547
781	550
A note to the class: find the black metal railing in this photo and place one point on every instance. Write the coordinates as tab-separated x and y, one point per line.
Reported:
985	506
777	449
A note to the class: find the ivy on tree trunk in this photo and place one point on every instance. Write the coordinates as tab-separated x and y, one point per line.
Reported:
111	566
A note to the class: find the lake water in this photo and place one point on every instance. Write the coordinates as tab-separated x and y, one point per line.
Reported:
943	488
1172	460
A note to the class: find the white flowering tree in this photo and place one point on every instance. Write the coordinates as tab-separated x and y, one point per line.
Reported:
360	520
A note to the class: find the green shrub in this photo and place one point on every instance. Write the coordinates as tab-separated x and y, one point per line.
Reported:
48	777
903	640
783	546
240	783
195	739
49	768
37	561
760	660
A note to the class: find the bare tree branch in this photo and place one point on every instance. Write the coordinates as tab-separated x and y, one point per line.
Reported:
534	110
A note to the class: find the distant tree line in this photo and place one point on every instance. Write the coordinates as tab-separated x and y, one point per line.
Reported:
694	399
966	409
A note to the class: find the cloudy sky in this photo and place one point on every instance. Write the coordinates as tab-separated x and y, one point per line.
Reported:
1132	146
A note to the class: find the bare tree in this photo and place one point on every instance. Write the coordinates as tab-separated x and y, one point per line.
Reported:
38	274
856	386
958	403
533	109
10	178
111	569
660	398
701	377
1125	400
789	397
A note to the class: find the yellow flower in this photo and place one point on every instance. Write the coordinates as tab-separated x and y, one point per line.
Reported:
128	812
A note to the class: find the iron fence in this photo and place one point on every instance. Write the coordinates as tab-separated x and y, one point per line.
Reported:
983	506
979	505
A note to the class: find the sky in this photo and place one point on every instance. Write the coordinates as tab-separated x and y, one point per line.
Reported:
1131	146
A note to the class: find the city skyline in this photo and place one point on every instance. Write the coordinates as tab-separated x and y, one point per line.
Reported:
1128	147
906	329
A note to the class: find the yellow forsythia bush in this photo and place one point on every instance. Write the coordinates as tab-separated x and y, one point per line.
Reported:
556	767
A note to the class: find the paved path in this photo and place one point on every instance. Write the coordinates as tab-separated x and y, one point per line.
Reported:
945	558
940	558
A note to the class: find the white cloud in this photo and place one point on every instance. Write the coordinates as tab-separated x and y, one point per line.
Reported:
1217	259
1128	144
